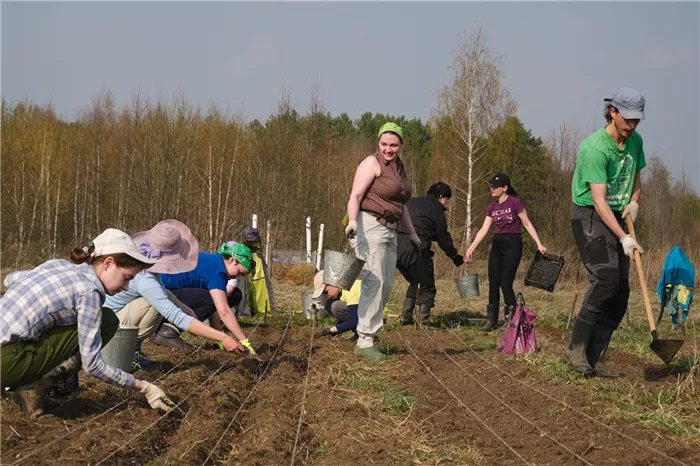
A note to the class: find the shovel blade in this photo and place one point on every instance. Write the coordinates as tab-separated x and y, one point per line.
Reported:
666	349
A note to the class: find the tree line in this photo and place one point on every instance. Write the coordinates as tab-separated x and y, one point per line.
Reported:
64	182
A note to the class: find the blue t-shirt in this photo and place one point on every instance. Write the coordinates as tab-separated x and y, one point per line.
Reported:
210	274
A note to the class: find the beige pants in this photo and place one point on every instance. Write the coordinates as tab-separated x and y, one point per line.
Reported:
139	313
376	244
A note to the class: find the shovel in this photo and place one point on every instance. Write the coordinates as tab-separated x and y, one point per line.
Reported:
665	349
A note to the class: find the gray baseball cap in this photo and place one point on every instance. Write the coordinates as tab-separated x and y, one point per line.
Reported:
629	102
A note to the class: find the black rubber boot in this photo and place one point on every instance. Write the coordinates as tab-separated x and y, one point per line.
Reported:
575	354
407	314
424	315
508	313
596	351
492	319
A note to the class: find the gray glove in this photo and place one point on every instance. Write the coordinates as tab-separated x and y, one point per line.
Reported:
629	245
415	241
157	397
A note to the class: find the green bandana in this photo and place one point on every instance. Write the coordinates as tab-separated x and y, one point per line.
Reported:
240	252
393	127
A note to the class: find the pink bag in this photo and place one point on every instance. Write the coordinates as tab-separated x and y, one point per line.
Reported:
520	335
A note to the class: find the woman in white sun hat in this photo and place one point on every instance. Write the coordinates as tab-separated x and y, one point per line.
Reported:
52	320
147	304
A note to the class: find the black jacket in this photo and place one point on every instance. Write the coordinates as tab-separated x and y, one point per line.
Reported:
428	217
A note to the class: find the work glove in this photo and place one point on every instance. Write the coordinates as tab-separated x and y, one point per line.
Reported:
228	344
415	241
248	346
324	332
629	245
157	398
351	229
631	209
457	260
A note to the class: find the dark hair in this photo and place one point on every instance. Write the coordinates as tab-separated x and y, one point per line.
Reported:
440	189
228	256
606	111
80	256
511	191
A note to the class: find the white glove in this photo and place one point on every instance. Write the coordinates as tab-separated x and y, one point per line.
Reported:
156	397
629	245
631	209
415	240
351	229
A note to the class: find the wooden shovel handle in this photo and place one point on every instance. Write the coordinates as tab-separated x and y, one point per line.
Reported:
640	272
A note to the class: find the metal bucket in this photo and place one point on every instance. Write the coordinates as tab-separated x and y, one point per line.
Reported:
119	352
306	301
468	286
340	269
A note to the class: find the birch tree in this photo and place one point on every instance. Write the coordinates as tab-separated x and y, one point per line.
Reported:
470	106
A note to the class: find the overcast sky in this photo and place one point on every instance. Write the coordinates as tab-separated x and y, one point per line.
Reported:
560	59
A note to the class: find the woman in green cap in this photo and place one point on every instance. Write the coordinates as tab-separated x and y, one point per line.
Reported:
212	273
375	210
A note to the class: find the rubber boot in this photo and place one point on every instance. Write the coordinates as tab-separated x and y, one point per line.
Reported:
370	353
492	318
31	398
508	314
596	351
424	315
575	354
407	314
167	335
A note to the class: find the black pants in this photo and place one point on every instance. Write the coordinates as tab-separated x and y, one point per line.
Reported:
605	301
504	259
201	302
418	270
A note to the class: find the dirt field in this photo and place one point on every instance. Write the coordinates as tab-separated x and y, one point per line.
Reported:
443	397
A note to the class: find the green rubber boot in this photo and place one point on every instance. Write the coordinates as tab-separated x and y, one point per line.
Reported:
370	353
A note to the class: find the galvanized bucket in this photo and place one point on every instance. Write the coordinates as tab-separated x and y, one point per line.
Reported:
341	269
119	352
306	301
468	286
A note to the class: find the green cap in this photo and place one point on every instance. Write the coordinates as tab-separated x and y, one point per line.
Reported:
240	251
393	127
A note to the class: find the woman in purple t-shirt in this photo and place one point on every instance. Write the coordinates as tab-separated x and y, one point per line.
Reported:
508	214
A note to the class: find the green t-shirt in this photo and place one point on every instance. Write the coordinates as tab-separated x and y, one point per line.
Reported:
601	161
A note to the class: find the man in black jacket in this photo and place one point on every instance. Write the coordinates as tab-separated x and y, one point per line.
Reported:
428	217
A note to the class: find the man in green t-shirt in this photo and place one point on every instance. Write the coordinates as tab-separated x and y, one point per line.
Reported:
605	190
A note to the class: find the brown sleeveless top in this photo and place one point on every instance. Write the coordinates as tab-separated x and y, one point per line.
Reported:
388	193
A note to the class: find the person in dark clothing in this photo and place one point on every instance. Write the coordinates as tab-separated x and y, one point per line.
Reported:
428	217
508	214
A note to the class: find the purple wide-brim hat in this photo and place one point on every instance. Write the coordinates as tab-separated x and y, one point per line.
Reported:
171	244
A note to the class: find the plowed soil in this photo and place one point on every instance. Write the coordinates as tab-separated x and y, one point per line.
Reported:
434	401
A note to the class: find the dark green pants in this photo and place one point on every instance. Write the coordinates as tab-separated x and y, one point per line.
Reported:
23	362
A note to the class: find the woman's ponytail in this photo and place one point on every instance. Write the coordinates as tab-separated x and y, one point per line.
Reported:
80	256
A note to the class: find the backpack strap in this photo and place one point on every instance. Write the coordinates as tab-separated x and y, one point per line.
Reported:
520	300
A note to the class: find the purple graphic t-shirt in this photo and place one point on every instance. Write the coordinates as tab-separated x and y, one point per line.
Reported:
505	216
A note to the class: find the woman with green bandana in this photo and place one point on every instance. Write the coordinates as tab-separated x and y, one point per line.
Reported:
212	274
376	208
